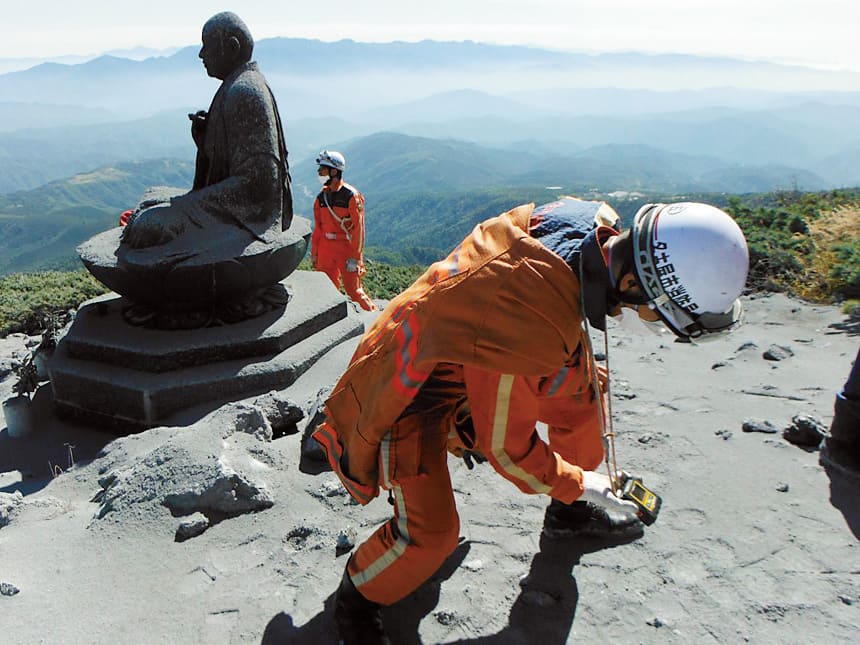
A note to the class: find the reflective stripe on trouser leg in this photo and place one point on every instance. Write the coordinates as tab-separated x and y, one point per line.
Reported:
409	548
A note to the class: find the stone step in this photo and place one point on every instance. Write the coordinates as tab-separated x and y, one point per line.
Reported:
126	400
116	388
100	334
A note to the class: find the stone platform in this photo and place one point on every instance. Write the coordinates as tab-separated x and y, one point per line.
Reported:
128	378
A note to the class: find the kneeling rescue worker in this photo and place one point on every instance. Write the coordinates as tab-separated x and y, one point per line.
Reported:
337	243
493	339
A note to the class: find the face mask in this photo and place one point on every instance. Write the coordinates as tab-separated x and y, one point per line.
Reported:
630	322
615	295
323	179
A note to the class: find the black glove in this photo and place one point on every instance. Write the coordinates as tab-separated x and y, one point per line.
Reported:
465	446
471	457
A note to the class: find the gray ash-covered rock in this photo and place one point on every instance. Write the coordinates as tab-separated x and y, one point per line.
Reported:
218	467
765	427
805	430
10	503
191	527
282	413
8	589
311	448
777	353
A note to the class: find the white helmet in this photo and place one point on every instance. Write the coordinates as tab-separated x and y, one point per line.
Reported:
331	159
691	260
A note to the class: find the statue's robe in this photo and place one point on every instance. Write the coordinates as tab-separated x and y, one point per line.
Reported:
241	194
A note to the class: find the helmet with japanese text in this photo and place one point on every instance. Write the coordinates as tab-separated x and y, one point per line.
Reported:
691	260
331	159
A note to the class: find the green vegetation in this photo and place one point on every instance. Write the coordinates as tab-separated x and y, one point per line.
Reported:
804	243
39	229
386	281
28	299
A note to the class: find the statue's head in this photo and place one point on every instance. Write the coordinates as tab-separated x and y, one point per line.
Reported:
227	44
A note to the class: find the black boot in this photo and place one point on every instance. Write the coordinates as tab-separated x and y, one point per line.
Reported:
841	451
358	620
584	519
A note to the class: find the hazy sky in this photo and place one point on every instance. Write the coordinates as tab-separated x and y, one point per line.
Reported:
817	32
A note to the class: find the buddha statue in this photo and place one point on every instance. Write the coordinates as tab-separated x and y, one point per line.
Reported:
233	234
241	178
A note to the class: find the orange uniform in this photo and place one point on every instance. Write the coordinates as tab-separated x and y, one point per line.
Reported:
496	326
337	244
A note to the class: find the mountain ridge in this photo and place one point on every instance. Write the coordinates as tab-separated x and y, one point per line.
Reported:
421	193
425	67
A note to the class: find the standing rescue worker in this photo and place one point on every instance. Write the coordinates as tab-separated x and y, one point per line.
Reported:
490	341
337	244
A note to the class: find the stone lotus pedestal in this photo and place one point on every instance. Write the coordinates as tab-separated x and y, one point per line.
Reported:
127	378
180	275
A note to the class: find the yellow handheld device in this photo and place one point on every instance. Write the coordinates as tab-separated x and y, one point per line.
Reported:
632	489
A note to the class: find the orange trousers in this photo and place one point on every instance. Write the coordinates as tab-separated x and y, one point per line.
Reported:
405	551
333	263
410	547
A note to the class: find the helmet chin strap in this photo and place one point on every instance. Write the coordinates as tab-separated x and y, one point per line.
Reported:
607	430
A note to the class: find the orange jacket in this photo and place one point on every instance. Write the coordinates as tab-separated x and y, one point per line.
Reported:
501	304
339	221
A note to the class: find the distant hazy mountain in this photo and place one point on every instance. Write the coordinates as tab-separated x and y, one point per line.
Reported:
454	105
622	101
813	136
141	53
21	116
387	163
715	123
134	53
17	64
136	88
30	158
317	78
843	168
